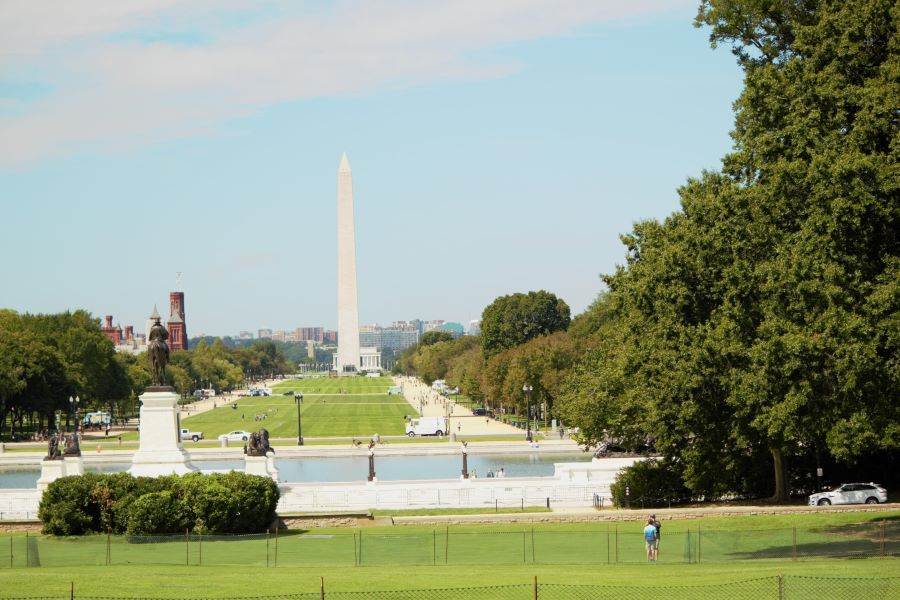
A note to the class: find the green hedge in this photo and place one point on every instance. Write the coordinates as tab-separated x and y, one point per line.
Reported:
120	503
648	482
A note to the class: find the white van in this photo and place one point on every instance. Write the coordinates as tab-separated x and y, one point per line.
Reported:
426	426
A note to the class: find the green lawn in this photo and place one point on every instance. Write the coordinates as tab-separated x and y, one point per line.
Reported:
349	407
422	557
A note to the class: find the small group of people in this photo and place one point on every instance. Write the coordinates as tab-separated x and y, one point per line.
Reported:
651	537
499	473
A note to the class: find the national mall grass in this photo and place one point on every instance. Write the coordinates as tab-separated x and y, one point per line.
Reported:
348	407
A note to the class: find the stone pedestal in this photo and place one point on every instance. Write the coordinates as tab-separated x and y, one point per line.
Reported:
261	465
160	451
51	470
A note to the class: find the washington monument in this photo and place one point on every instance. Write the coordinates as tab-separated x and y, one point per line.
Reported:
348	355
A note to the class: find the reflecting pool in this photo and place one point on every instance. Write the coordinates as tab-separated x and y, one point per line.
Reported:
354	468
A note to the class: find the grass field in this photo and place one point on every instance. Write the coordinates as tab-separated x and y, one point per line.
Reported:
348	407
397	558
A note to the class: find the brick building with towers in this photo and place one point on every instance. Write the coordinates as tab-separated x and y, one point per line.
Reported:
178	339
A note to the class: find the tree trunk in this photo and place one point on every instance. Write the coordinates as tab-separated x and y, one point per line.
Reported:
781	494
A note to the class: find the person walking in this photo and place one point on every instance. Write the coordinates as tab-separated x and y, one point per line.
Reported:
651	535
658	526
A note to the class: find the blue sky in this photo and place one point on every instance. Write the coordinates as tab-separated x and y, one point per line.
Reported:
496	148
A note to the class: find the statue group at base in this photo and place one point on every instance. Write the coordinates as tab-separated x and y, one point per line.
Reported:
71	447
258	444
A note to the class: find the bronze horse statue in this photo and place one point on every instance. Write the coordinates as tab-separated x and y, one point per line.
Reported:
158	351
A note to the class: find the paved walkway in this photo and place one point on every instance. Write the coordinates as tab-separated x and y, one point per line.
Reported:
462	421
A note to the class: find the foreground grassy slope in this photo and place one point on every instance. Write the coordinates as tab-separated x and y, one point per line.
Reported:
479	555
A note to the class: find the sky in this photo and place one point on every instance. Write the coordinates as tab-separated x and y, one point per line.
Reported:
497	147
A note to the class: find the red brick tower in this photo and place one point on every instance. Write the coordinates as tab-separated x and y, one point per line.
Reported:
112	331
178	339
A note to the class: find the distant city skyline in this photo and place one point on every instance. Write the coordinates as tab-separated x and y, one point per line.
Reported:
496	148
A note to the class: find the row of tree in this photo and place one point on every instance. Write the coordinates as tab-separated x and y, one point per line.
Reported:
754	334
46	359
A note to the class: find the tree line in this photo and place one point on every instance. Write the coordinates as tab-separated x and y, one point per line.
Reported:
46	359
752	336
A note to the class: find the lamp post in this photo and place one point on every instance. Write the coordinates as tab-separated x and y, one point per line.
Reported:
465	469
299	398
73	410
527	389
371	461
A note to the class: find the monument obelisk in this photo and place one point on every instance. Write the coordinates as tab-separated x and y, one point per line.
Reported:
348	355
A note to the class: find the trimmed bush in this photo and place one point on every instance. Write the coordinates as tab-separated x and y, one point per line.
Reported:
118	503
156	513
649	483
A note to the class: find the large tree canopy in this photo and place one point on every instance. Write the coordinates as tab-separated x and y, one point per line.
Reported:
760	322
512	320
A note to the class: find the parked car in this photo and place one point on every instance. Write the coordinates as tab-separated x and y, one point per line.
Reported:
289	393
850	493
482	412
236	436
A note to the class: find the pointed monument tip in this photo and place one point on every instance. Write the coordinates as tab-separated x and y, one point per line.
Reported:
345	164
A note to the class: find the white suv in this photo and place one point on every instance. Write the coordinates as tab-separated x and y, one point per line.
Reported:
851	493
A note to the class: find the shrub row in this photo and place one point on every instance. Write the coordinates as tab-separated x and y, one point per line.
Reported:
120	503
653	482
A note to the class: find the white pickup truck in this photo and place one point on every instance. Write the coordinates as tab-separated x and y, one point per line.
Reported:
194	436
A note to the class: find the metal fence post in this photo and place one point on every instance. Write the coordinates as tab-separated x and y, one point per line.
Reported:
446	544
267	547
322	588
532	544
882	538
698	543
523	546
433	547
355	551
187	549
71	590
780	588
535	588
276	545
27	558
794	543
617	543
607	544
10	552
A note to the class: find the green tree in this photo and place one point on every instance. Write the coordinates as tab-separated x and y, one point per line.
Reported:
434	336
758	324
512	320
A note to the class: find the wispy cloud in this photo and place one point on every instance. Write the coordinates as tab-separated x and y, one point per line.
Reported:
121	74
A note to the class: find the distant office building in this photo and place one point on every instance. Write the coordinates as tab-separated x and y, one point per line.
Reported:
429	325
454	329
264	334
316	334
245	335
474	327
330	337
